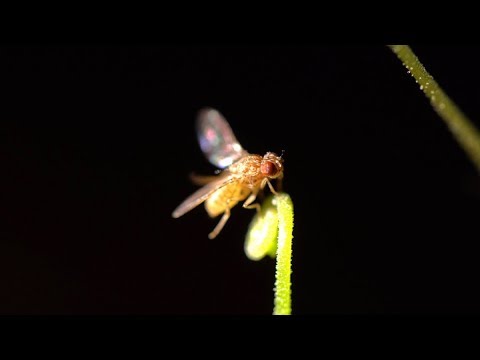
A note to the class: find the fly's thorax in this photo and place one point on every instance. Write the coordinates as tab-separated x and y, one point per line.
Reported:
247	167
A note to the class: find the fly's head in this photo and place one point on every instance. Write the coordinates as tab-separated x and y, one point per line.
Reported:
272	165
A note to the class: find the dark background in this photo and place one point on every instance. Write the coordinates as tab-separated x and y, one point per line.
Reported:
97	142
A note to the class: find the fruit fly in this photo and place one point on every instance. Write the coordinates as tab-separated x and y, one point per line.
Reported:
242	177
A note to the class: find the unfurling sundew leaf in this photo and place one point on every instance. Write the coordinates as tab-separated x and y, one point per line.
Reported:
262	234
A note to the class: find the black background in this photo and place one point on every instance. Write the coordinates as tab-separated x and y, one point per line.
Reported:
97	143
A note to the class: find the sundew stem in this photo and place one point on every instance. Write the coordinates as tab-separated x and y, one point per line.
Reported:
270	233
283	291
463	130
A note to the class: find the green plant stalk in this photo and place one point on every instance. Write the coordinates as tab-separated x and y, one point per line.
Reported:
283	291
270	233
463	130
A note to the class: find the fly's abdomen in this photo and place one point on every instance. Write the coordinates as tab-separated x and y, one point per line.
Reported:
226	198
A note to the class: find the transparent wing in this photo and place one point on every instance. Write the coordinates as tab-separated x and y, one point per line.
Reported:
202	194
201	180
216	139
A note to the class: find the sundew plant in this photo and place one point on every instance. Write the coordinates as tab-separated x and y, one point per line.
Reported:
270	232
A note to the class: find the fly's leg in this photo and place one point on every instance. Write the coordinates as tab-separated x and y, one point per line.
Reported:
248	203
220	224
265	182
279	183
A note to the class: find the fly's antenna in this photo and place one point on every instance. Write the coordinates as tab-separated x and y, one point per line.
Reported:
281	155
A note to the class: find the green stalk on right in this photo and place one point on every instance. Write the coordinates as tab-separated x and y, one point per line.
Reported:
463	130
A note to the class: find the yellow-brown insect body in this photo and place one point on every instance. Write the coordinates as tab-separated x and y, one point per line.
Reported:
226	197
248	177
244	174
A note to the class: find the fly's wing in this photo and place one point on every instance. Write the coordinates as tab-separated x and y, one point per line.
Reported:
216	139
202	179
202	194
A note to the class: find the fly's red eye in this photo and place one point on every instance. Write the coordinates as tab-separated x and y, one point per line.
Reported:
268	168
